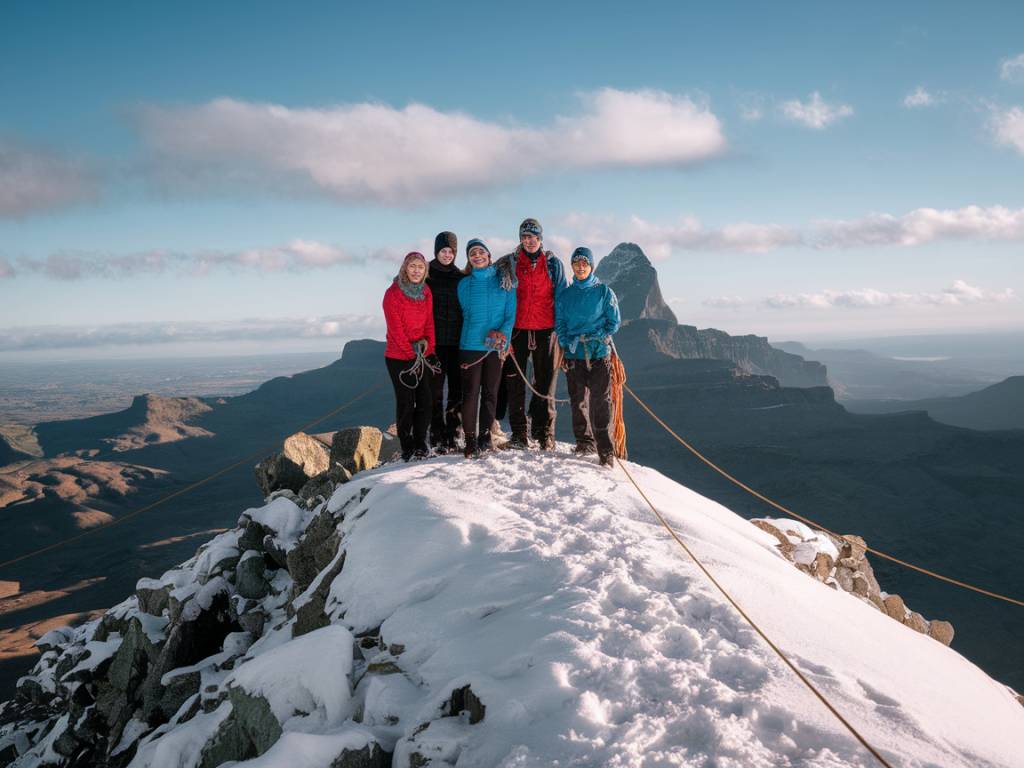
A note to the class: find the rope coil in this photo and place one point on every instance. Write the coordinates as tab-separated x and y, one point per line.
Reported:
419	368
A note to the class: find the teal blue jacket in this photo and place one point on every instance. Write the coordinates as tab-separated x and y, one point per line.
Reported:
486	307
586	315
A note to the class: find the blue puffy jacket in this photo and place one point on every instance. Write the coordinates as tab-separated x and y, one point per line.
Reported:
486	307
586	314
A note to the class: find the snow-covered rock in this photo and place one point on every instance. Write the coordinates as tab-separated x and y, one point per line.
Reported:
522	610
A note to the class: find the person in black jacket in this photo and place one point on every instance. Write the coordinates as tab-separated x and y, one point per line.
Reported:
443	278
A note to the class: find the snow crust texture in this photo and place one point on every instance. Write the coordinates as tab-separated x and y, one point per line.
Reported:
522	610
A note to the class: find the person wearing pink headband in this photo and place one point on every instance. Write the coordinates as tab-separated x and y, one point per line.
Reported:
409	353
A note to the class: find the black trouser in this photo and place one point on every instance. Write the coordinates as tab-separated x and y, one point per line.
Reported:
590	398
445	421
542	348
479	393
412	407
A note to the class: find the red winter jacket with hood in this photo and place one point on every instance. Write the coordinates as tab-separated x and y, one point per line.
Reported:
408	320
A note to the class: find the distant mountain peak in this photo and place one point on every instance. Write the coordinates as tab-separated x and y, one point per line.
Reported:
629	273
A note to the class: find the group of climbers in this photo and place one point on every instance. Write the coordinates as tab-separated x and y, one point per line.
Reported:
477	330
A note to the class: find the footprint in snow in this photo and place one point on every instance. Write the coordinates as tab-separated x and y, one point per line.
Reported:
739	672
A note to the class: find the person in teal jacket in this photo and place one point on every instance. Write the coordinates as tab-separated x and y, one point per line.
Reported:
586	316
488	312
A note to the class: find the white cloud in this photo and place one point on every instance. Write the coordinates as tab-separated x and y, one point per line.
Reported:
1012	69
922	225
375	153
1009	127
815	113
687	233
724	302
919	97
959	294
36	338
295	256
35	180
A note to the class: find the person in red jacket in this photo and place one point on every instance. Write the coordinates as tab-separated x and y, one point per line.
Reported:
538	277
409	354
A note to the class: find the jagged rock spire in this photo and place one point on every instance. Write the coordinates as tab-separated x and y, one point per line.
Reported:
635	281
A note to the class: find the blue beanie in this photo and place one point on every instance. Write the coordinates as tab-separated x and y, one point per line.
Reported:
584	254
474	242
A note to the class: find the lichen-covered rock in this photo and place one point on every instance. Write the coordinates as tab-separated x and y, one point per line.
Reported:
853	546
302	457
314	551
153	596
941	631
250	576
917	622
784	545
895	607
356	448
255	719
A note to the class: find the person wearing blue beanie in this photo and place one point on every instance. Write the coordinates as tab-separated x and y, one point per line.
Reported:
488	311
587	316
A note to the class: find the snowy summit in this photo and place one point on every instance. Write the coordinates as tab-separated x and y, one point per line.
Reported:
522	610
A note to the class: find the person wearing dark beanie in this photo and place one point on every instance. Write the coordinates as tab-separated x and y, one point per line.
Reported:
443	277
538	278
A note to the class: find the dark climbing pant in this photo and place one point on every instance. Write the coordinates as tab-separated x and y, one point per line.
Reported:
590	398
412	407
446	420
479	393
542	348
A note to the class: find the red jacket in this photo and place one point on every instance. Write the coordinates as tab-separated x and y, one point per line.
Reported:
408	320
535	294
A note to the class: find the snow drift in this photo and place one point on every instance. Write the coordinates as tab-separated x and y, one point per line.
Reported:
522	610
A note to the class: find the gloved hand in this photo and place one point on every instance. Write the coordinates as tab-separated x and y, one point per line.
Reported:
497	340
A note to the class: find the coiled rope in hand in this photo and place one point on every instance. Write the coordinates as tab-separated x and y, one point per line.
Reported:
419	368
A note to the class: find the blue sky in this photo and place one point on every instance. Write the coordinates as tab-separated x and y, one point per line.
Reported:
244	177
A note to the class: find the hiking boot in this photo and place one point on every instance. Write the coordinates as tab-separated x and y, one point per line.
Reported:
546	443
518	441
583	449
420	453
472	450
484	444
606	460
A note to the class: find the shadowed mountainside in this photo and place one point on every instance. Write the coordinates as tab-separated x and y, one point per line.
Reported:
998	407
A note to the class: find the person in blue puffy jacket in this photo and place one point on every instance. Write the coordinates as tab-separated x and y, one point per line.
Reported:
587	314
488	312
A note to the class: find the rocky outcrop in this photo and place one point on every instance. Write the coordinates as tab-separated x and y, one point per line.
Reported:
842	563
313	466
649	325
635	282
